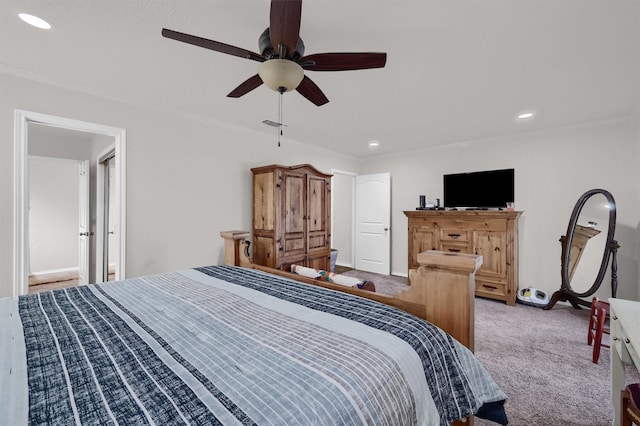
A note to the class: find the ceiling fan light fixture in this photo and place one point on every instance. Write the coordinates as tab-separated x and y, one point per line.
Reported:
277	74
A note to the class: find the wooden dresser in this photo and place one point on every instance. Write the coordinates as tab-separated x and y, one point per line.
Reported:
291	216
492	234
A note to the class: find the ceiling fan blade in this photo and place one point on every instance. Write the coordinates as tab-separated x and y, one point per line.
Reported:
247	86
343	61
284	24
212	45
311	91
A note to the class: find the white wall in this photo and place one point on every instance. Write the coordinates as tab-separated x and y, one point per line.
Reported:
552	170
187	179
342	200
53	214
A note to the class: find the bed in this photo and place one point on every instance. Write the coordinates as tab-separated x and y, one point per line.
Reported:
229	345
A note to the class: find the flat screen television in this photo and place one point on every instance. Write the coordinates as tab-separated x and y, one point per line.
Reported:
479	190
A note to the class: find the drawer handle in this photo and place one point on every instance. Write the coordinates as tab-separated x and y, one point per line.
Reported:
454	235
616	338
615	317
490	287
454	250
627	341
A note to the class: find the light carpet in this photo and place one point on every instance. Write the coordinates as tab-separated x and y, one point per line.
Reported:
539	358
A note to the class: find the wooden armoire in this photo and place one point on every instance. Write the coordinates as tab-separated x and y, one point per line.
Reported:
291	216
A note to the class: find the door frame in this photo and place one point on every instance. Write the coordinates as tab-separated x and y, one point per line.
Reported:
102	195
22	118
84	221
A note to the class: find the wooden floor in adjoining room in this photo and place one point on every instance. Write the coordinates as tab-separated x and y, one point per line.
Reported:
44	283
341	269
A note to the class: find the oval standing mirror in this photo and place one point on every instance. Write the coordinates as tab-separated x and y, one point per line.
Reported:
587	248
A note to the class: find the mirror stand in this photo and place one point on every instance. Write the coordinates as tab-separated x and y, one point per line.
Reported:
614	246
587	223
565	294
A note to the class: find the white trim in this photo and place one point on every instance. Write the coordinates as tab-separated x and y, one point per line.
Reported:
101	234
45	158
22	119
20	207
54	271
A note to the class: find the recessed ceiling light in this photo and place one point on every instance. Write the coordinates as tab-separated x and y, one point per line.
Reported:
374	144
35	21
525	115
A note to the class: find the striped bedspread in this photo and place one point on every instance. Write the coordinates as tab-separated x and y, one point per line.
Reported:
224	345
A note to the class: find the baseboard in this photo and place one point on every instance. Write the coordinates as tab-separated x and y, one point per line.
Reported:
53	275
400	274
73	269
345	264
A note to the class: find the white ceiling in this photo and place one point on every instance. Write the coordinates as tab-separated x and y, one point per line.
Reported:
457	70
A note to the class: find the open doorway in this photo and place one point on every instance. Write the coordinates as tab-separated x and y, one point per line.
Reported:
361	221
343	218
55	196
28	126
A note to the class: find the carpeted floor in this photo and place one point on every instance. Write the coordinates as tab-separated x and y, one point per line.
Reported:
539	358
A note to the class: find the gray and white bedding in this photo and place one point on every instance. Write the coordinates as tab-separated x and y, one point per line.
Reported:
223	345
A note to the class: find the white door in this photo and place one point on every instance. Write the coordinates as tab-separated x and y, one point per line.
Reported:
373	223
83	225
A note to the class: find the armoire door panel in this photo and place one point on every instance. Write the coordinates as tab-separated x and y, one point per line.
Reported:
317	241
263	251
263	198
294	205
293	245
317	201
319	262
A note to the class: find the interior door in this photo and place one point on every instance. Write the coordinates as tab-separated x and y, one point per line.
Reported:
373	223
83	225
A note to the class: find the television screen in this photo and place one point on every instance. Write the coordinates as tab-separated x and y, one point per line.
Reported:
478	190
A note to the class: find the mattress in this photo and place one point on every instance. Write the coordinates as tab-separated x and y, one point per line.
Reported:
229	346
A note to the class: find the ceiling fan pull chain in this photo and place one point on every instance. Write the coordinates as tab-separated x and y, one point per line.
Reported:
280	117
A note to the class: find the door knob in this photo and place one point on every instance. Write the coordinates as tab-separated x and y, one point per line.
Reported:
86	234
386	229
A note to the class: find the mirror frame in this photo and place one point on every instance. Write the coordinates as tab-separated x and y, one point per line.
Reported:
566	293
566	246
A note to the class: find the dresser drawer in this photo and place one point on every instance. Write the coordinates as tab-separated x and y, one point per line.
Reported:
452	234
621	341
454	247
490	288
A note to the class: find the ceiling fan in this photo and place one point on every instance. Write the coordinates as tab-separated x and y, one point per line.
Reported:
282	55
